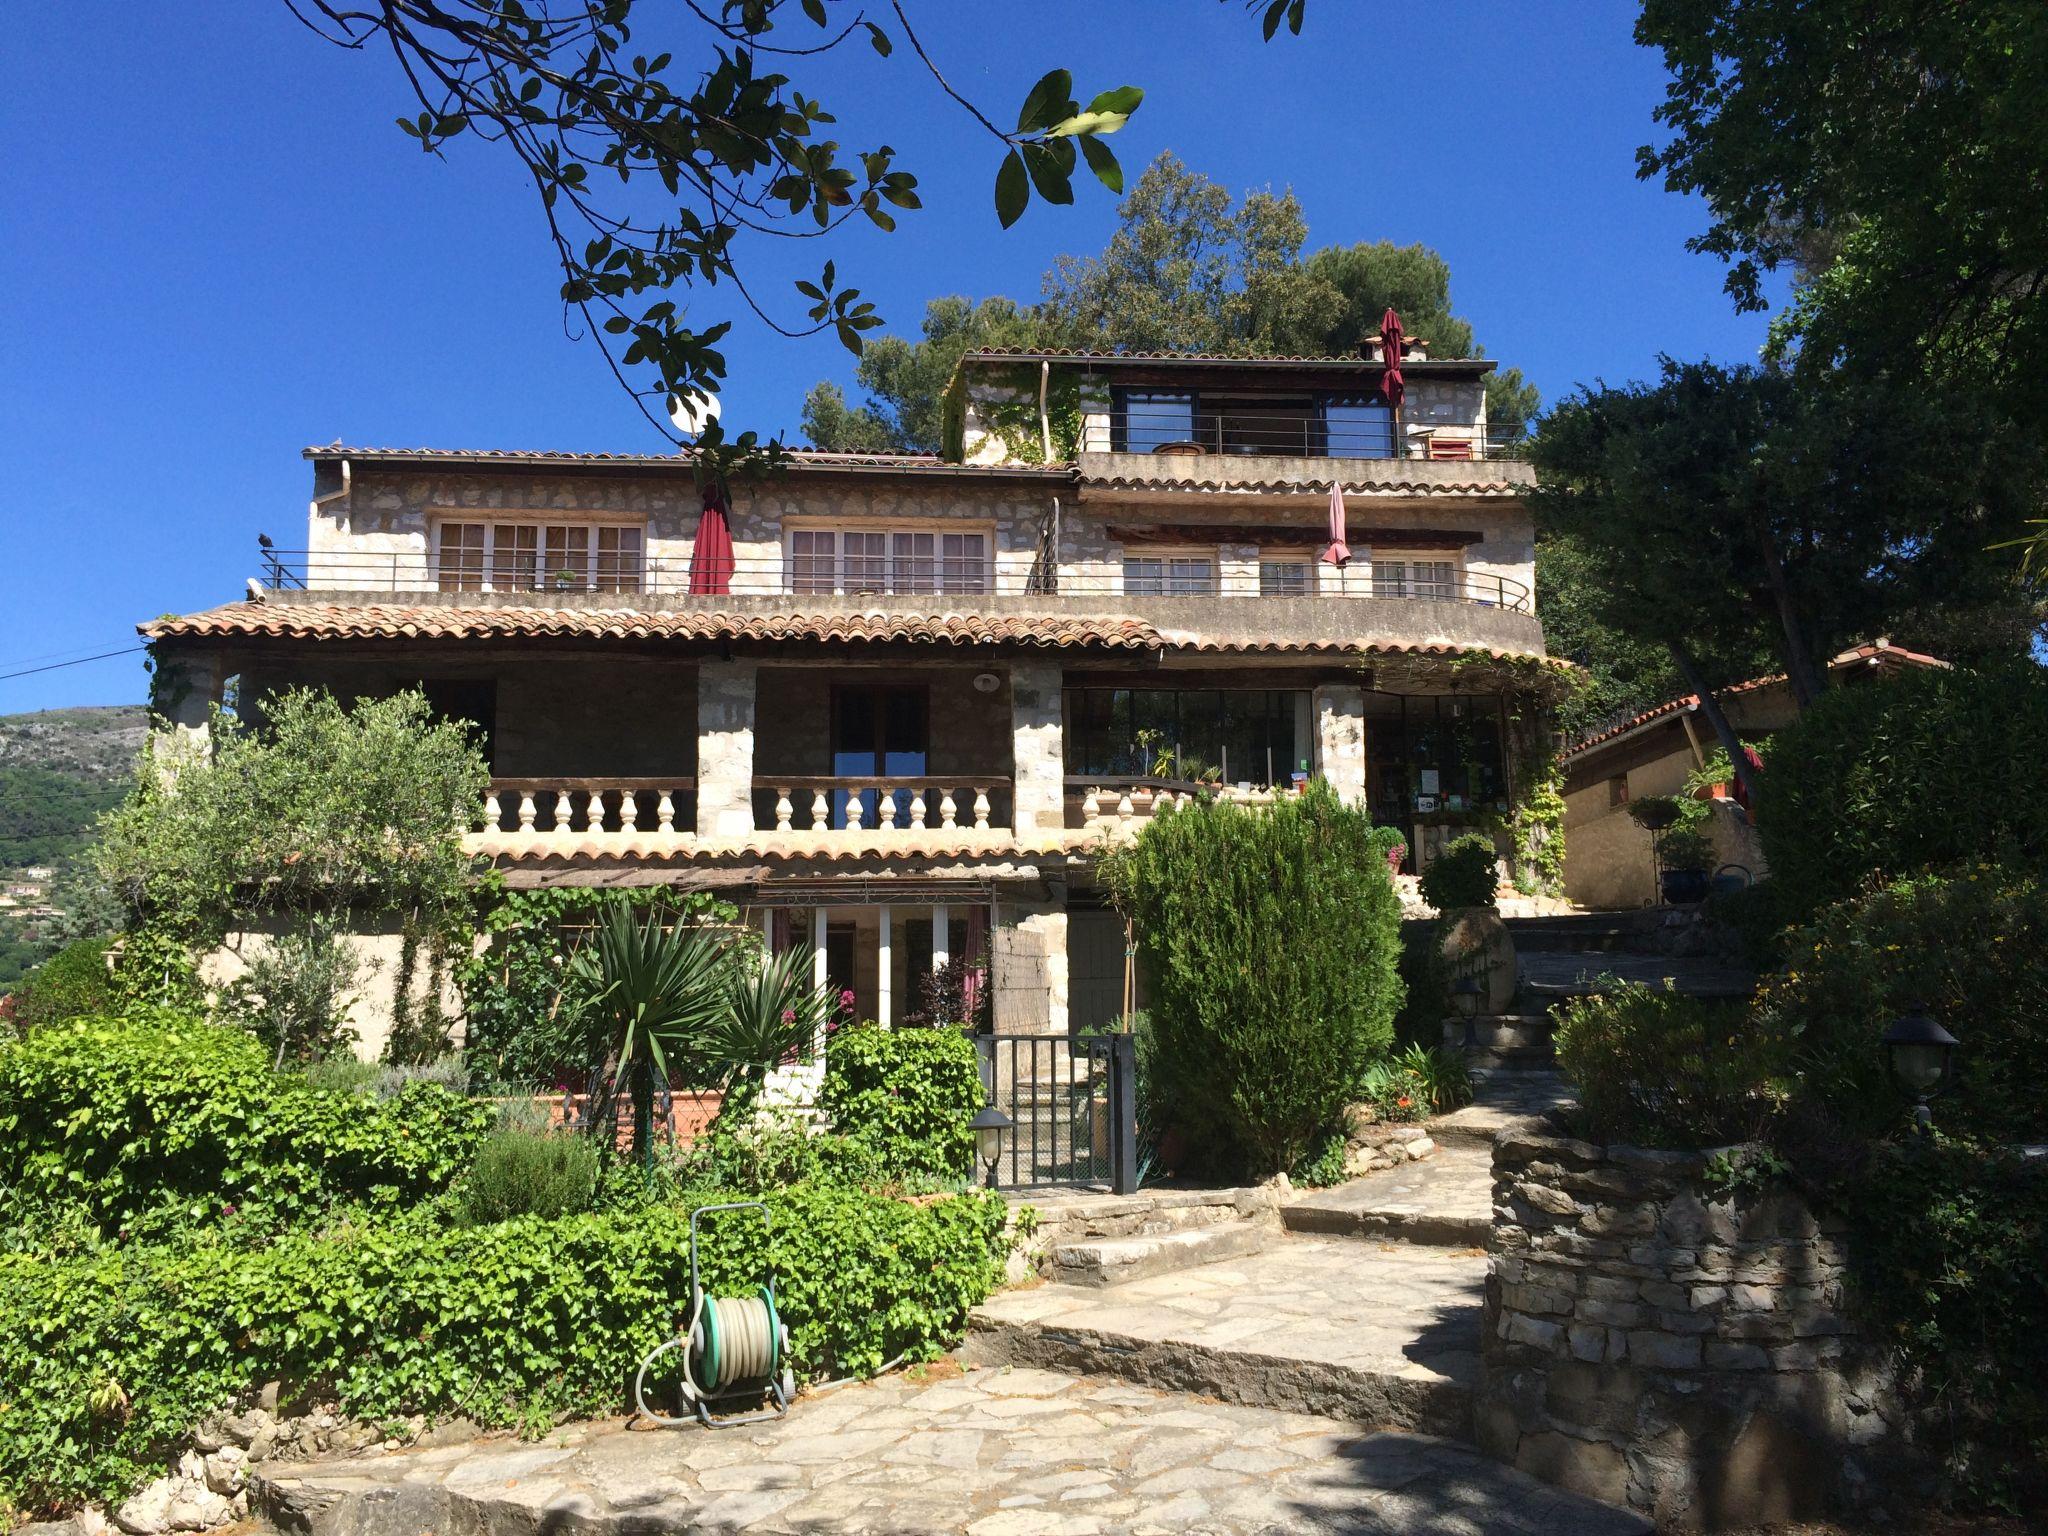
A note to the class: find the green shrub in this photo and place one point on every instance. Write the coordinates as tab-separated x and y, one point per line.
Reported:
1661	1069
1426	979
70	984
1465	874
121	1118
529	1173
1892	777
1755	919
503	1323
906	1097
1270	939
1946	1241
1972	947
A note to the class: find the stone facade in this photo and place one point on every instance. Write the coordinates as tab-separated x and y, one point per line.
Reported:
1654	1344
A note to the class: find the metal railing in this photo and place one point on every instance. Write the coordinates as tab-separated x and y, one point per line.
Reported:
1073	1109
418	571
1282	435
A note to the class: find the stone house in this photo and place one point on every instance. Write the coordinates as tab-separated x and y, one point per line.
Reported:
1608	863
934	687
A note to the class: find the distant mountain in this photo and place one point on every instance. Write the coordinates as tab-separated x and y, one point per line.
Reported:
59	768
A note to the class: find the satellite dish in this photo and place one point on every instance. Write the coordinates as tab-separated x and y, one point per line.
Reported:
692	413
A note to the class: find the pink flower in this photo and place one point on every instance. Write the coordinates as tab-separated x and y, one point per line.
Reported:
789	1015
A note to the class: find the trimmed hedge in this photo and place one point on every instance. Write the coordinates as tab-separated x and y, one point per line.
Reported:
1271	940
1909	773
1465	874
159	1116
107	1360
1661	1069
905	1097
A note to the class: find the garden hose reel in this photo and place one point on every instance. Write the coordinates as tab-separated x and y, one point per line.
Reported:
732	1348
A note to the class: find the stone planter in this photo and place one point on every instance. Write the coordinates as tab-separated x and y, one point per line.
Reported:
1658	1346
1477	943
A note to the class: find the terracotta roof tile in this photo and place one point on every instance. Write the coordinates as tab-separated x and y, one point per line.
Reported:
1337	645
799	458
838	848
337	621
1220	359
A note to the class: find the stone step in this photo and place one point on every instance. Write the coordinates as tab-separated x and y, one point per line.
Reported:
1503	1098
1382	1336
1507	1032
1119	1260
1444	1201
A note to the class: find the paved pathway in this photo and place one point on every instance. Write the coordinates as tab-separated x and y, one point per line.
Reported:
991	1453
1500	1098
1382	1333
1446	1199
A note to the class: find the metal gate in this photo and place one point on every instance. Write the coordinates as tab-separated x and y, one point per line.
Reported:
1073	1108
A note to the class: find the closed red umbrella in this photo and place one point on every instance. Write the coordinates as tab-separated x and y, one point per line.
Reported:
1337	552
1392	388
711	554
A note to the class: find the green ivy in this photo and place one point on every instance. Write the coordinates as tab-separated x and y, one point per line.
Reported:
905	1096
108	1359
157	1120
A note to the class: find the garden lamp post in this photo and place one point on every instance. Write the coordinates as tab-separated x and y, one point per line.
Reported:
988	1125
1465	997
1921	1056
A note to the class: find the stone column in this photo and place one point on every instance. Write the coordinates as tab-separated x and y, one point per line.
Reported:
1340	739
1028	967
725	750
186	687
1038	771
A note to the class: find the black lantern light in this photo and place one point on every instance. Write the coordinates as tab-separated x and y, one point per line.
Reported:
1466	995
1921	1056
988	1126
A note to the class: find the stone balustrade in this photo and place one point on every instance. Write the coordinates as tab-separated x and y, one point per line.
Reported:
839	805
1122	805
573	808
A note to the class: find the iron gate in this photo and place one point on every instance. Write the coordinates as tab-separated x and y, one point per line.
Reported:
1073	1108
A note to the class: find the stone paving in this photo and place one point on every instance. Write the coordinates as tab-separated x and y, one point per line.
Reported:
1446	1200
1502	1098
990	1453
1382	1333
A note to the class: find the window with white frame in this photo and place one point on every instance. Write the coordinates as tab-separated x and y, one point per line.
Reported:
1286	576
503	556
1170	574
856	560
1397	573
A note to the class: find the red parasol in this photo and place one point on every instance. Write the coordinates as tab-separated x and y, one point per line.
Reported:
711	554
1338	553
1391	385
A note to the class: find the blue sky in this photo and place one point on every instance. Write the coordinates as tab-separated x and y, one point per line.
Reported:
217	249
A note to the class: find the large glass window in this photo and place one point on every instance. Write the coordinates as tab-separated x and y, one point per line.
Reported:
1221	735
887	560
1147	419
529	557
1433	755
1401	575
1169	575
1285	576
1357	427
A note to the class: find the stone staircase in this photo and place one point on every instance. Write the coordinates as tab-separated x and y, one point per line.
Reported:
1101	1240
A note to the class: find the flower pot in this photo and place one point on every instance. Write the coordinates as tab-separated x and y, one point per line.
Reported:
1685	887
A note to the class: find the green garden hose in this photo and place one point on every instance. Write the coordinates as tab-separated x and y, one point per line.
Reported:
732	1346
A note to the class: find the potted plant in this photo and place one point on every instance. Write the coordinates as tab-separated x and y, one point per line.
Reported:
1462	882
1679	841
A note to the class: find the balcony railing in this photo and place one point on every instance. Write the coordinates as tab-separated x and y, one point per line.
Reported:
569	808
1121	804
1281	435
841	803
1298	579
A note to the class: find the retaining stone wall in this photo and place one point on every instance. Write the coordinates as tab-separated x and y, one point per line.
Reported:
1652	1344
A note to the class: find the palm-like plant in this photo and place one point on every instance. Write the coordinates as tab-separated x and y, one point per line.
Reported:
665	999
653	996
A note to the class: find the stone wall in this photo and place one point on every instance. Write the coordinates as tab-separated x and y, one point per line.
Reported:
1652	1344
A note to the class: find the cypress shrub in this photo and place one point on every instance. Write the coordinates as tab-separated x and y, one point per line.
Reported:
1921	771
1271	940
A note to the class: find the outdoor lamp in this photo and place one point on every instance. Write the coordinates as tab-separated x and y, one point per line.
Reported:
988	1126
1921	1056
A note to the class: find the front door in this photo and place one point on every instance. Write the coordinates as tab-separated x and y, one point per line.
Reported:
878	733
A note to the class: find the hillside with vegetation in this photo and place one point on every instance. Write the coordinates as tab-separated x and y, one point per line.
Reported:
59	770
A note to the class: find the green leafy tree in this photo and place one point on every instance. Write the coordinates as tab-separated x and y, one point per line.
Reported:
1721	511
1189	268
1271	942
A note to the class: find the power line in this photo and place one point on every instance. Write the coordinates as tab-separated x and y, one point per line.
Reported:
58	665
